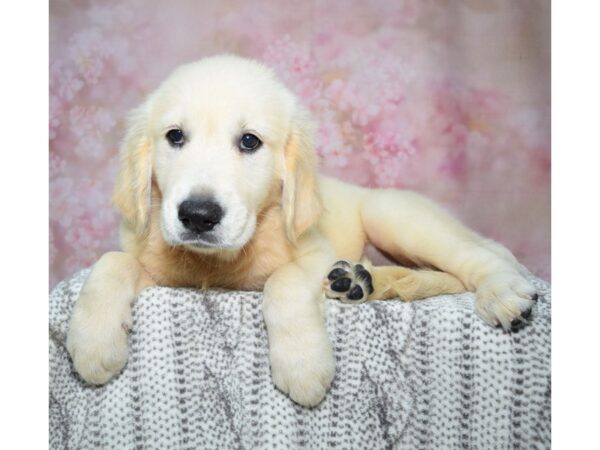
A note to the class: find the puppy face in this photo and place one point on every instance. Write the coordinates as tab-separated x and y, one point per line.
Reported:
217	136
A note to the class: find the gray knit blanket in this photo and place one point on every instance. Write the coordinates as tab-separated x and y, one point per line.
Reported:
422	375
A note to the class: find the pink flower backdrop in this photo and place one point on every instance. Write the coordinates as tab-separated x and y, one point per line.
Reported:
447	98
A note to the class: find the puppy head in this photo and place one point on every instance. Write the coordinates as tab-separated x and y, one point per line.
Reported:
217	137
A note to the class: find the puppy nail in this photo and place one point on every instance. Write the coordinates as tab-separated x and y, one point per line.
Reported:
516	324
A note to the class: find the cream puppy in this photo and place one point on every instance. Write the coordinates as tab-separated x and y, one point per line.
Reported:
218	188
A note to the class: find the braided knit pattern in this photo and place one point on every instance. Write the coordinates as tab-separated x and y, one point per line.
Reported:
423	375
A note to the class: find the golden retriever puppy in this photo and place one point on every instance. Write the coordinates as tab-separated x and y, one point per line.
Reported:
218	188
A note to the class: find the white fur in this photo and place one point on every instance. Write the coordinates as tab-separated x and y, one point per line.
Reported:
210	161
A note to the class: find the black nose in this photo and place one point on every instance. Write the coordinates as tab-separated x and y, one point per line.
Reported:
200	215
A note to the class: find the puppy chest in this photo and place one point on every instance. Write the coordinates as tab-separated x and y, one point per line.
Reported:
263	263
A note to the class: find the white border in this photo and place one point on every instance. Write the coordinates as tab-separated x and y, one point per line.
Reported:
575	223
24	224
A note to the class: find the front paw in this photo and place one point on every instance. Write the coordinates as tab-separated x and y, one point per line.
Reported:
505	300
303	367
97	341
348	282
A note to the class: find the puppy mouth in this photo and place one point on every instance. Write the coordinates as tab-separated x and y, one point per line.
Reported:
200	244
205	243
209	249
189	238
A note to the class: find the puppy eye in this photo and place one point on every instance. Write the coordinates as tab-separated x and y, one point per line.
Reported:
249	143
175	137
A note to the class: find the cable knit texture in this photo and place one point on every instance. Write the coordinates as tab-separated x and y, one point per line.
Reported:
422	375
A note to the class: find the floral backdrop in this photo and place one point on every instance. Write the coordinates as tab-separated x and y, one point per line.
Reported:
449	98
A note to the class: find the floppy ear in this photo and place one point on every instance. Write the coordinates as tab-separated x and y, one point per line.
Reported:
301	201
132	189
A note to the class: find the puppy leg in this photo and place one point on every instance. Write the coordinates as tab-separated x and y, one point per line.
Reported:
354	283
407	224
413	284
101	318
300	352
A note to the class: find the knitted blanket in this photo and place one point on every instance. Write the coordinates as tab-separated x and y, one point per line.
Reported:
422	375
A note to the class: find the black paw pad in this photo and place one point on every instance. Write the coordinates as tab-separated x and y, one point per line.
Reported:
348	282
365	276
356	293
336	273
341	284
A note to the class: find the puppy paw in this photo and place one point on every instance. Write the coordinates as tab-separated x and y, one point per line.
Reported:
505	300
350	283
97	342
303	368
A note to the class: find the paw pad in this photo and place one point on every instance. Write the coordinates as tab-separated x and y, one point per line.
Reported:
342	284
351	283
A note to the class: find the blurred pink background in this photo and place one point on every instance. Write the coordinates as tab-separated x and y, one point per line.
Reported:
451	99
